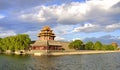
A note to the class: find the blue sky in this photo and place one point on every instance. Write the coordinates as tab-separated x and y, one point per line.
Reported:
88	20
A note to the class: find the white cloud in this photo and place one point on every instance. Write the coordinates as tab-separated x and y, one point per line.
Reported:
86	28
59	38
33	34
1	16
95	28
5	33
113	26
99	13
74	11
31	17
62	29
61	13
105	4
76	39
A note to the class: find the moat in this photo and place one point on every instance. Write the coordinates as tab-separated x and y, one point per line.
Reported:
107	61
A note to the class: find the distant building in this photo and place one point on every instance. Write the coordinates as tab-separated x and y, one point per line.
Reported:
46	41
114	44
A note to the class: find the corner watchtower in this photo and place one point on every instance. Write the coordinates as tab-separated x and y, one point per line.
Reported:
46	34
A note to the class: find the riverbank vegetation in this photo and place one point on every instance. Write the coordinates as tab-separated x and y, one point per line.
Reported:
22	42
79	45
15	43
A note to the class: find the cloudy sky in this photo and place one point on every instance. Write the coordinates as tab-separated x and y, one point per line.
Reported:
88	20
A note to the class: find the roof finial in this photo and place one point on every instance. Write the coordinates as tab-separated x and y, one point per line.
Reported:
46	28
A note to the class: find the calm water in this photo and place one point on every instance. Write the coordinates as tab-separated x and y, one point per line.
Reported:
109	61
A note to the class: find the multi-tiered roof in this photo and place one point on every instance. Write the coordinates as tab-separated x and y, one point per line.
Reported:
46	34
46	40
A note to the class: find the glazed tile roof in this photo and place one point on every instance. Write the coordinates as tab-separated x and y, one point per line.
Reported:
46	31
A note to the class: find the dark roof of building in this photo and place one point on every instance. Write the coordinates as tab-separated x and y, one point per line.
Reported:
46	43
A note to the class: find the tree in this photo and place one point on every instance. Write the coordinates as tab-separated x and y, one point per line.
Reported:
14	43
98	45
0	44
89	45
77	44
22	41
110	47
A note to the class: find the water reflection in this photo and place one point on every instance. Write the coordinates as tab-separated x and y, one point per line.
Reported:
73	62
44	63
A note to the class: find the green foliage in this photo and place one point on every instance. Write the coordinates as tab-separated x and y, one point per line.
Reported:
98	45
0	44
110	47
77	44
89	45
13	43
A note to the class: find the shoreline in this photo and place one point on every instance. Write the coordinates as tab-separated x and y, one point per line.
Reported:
58	53
73	53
